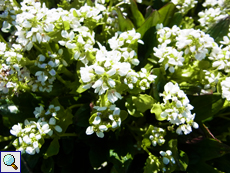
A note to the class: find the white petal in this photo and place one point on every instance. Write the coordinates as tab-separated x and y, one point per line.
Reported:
89	130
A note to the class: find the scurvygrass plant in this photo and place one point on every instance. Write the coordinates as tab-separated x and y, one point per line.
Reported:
116	86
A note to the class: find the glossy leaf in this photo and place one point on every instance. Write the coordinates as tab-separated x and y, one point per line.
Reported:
137	16
143	102
157	110
166	13
124	24
152	165
220	29
151	21
206	106
53	148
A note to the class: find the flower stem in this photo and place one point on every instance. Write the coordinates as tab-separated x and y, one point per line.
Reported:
60	79
74	106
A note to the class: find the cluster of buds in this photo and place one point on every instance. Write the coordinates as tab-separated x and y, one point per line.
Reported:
157	136
167	159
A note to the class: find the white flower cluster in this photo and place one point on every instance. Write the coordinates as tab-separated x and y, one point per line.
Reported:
177	109
8	15
157	136
225	86
215	10
211	80
31	137
35	23
11	71
112	67
167	159
221	58
179	47
105	119
48	66
184	5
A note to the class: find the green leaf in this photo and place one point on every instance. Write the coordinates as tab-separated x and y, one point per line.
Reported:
82	115
121	163
206	106
220	29
146	142
47	165
124	24
123	115
182	161
143	102
157	110
176	20
137	16
152	165
53	149
132	110
151	21
66	25
166	13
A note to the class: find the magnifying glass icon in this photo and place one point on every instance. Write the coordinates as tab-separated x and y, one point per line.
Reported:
9	160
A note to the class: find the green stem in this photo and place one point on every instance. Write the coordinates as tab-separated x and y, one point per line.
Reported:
60	79
67	72
149	153
2	39
68	134
28	62
119	4
25	87
38	48
74	106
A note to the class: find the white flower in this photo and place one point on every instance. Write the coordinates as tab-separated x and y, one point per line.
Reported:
89	130
13	109
113	95
16	129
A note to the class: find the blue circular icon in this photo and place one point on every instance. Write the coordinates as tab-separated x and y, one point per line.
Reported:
8	159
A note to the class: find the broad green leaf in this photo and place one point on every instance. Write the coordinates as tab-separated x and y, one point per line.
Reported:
176	20
143	102
53	149
121	163
152	165
219	30
131	108
151	21
123	115
47	165
137	16
82	116
157	110
159	83
166	13
124	24
206	106
201	167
